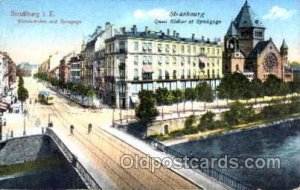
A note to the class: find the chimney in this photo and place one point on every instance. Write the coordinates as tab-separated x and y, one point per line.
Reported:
202	38
146	29
168	32
193	36
98	30
123	30
177	35
174	33
134	28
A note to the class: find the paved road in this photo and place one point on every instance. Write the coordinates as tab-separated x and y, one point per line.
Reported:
102	150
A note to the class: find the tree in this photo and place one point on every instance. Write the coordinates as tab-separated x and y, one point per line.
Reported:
146	111
204	93
232	86
160	96
238	114
207	120
272	85
90	93
256	89
21	81
190	121
190	94
22	95
178	96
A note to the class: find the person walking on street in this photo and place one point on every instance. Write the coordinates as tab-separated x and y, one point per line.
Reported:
89	128
71	129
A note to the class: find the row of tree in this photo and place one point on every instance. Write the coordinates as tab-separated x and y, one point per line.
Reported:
237	86
74	88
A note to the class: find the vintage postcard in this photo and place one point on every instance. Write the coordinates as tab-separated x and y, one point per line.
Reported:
150	94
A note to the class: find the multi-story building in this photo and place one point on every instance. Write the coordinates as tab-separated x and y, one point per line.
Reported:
76	63
149	60
93	54
26	69
65	68
7	73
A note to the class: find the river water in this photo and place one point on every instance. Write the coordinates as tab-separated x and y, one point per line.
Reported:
280	141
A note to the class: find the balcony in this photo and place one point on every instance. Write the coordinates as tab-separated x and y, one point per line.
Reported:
160	77
135	78
122	51
182	77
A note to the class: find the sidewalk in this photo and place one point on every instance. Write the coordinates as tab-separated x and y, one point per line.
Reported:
196	177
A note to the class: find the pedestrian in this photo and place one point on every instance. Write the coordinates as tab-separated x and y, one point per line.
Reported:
89	128
71	129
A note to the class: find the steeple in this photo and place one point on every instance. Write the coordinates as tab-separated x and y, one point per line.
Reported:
232	31
284	45
247	18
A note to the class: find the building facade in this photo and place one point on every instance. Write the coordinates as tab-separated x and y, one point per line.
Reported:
149	60
246	50
7	73
76	64
65	68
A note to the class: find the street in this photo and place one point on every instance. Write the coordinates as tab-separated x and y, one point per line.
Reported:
100	149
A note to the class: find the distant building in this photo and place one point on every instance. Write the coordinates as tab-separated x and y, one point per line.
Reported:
65	68
149	60
26	69
246	50
296	73
76	64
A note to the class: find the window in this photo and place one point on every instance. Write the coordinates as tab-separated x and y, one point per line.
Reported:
189	49
167	76
149	46
189	74
202	51
218	51
167	60
160	60
149	60
189	60
182	73
159	74
182	61
145	46
136	46
208	51
159	48
145	60
136	60
167	48
194	61
174	74
182	49
174	60
136	74
174	48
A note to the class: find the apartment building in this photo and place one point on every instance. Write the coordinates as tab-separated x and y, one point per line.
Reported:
7	73
149	60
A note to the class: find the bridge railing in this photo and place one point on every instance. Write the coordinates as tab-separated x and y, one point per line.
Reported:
211	172
84	174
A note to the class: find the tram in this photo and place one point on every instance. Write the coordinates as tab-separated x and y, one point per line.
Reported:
46	97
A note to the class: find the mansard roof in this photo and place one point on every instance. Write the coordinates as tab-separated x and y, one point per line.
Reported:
247	18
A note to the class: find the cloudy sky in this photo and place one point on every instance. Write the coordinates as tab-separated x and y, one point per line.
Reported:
34	42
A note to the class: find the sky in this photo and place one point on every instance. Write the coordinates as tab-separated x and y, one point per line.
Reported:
34	42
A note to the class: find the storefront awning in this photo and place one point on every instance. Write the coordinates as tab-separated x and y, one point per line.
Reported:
203	59
147	69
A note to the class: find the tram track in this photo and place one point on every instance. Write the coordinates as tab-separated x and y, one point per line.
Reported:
164	176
